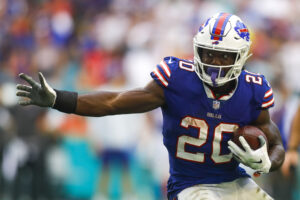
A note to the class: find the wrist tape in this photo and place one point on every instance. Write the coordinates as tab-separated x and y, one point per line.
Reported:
65	101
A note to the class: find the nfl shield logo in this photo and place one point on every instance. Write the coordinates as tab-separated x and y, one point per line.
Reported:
216	105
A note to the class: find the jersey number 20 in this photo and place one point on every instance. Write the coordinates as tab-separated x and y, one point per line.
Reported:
202	126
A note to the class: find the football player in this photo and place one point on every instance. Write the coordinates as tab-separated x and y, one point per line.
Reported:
203	102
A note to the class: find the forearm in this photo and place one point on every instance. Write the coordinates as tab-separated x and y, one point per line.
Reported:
95	104
276	155
276	150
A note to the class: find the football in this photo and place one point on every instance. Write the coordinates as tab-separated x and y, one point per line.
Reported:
251	134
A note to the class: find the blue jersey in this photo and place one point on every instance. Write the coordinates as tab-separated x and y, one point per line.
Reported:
197	126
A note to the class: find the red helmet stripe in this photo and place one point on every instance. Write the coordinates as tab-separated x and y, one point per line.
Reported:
220	24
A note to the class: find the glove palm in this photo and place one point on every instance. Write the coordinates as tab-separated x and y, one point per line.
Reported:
37	94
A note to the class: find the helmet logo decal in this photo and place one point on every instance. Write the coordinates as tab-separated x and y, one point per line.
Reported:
242	30
219	26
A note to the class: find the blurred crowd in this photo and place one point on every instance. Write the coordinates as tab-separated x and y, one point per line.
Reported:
113	45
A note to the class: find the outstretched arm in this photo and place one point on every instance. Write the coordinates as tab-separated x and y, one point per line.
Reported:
111	103
93	104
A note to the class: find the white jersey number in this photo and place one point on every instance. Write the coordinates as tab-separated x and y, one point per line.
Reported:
202	126
254	79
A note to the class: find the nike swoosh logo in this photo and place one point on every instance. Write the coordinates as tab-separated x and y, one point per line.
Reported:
258	162
170	61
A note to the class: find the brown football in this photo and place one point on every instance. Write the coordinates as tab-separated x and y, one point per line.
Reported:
251	134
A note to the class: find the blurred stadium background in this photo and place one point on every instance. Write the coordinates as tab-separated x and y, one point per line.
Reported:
87	45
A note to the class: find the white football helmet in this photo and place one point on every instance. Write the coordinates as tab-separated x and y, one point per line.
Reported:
222	32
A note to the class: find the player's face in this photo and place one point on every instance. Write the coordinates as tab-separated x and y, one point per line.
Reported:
217	58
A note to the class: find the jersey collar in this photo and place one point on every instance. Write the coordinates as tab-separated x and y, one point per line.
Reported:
211	95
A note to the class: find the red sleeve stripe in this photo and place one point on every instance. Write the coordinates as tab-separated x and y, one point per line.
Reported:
268	103
165	68
160	77
268	93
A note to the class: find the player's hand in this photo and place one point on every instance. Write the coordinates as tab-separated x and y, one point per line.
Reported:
256	159
40	94
291	160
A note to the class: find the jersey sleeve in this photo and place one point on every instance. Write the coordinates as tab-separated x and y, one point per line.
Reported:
162	73
265	95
